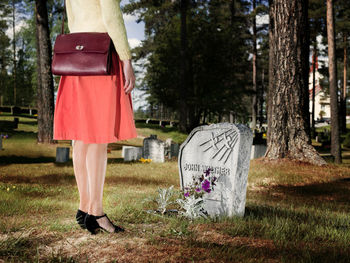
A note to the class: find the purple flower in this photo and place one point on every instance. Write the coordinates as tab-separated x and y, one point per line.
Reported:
207	172
205	185
198	189
187	194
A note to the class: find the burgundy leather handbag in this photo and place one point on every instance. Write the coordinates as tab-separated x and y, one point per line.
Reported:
82	53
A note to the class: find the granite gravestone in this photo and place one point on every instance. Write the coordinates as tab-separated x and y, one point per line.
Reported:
226	149
174	149
154	149
131	153
258	150
62	154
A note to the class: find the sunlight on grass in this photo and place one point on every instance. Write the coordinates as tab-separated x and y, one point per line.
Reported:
294	212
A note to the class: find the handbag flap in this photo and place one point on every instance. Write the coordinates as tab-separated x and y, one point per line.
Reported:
96	42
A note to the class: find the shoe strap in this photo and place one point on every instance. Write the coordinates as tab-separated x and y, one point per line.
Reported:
97	217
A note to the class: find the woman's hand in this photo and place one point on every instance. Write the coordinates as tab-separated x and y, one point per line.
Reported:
129	76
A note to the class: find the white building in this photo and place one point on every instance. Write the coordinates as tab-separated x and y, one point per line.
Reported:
322	103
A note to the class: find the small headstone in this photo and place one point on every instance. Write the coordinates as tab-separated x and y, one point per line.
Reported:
154	149
131	153
168	142
258	150
167	147
225	148
174	149
62	154
148	120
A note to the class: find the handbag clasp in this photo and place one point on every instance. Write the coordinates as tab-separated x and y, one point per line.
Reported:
78	47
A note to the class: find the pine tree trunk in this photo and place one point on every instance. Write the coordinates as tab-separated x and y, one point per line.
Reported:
343	105
261	99
314	85
335	136
287	135
271	72
45	98
183	118
14	52
254	97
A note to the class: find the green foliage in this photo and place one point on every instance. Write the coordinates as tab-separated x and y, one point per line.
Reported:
163	199
218	54
346	142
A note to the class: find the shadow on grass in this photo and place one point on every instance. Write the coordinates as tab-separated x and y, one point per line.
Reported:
64	179
49	179
20	134
133	180
32	123
24	248
15	159
273	212
334	191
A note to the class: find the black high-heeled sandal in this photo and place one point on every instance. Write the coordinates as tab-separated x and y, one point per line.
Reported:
93	226
80	217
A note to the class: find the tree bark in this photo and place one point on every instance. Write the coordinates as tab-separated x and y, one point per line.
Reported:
45	98
335	136
287	135
271	72
345	79
14	52
183	118
254	97
314	56
262	98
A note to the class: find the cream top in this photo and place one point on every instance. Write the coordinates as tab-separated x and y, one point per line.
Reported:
99	16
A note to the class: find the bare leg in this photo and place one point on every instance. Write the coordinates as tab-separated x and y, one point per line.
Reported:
96	163
80	171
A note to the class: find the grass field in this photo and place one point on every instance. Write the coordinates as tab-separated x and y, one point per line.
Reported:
294	212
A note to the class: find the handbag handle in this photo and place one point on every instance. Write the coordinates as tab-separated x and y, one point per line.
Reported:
63	17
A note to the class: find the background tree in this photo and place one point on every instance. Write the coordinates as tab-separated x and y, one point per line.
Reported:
335	136
317	21
5	54
218	66
45	81
289	46
343	28
258	37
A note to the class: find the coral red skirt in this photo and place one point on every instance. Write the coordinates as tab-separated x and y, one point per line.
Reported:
94	109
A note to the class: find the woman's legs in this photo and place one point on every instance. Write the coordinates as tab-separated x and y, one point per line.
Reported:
90	165
80	171
96	163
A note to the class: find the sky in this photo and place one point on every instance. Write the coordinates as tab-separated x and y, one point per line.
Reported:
135	33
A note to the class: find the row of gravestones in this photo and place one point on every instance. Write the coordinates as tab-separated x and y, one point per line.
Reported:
130	153
152	148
